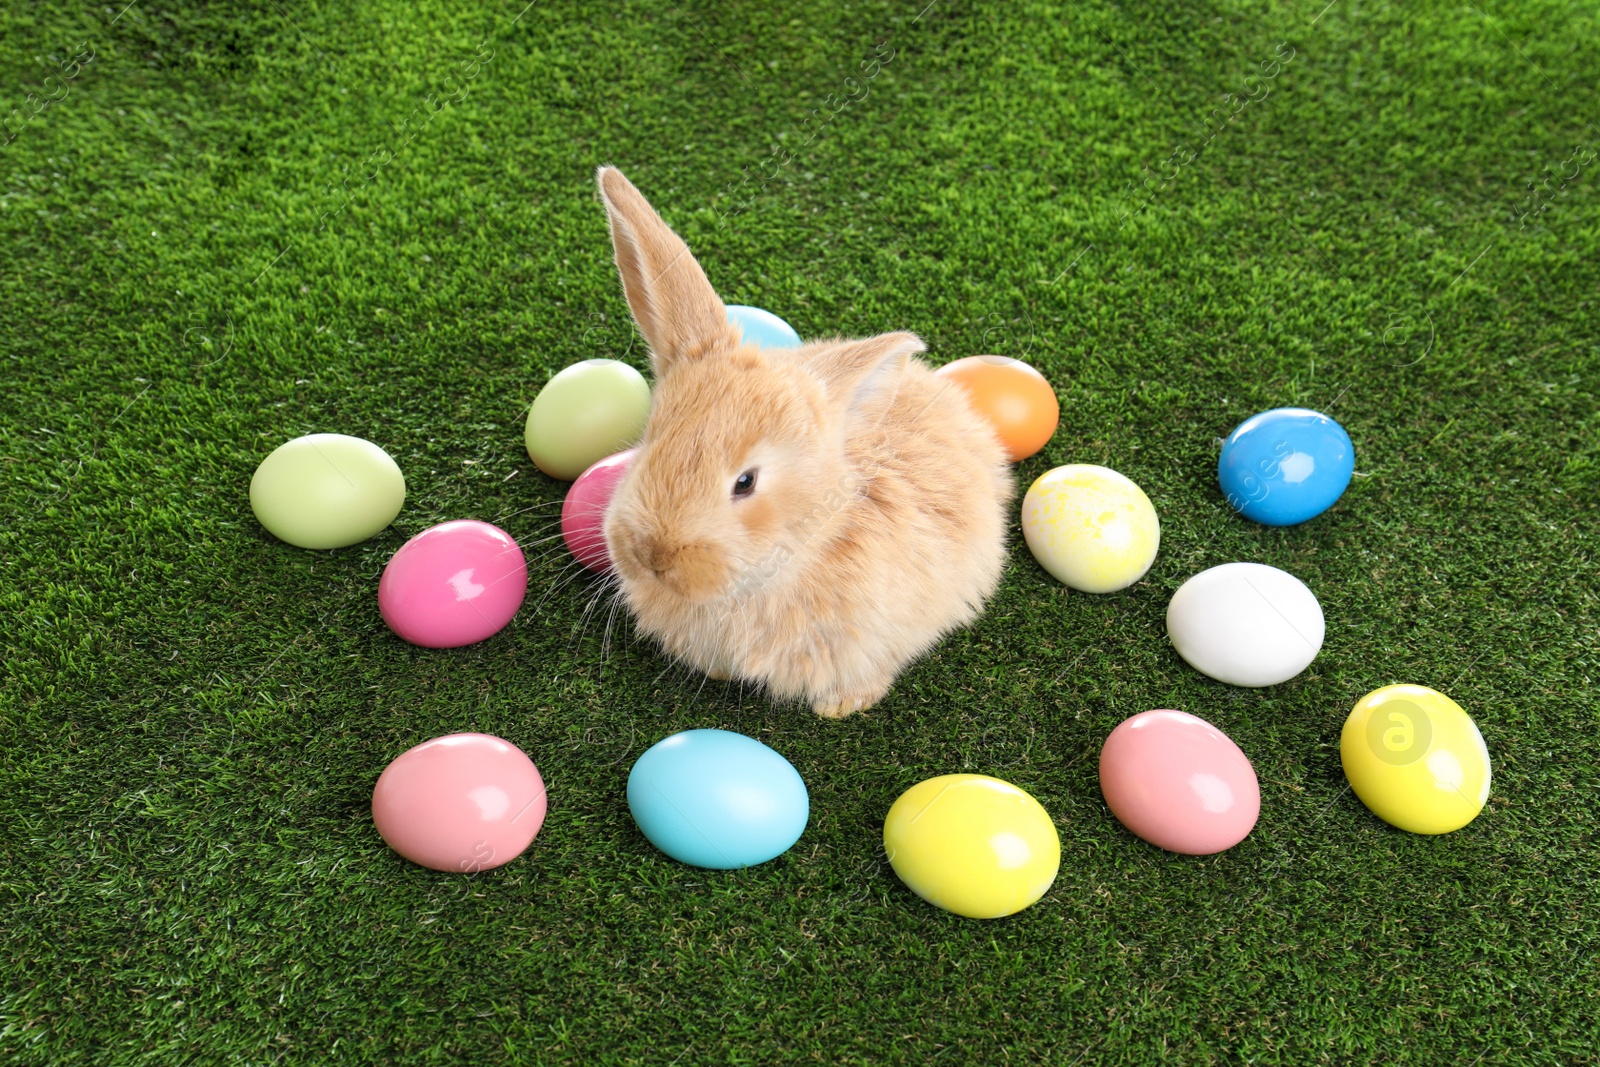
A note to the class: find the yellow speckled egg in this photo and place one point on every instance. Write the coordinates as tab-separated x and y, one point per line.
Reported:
1416	759
1091	527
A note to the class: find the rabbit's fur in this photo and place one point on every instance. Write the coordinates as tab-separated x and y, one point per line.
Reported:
877	519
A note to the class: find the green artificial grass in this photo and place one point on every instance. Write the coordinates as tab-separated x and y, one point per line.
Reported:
236	223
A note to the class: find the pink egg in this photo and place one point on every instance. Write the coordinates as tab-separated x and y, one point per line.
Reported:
453	584
584	511
464	802
1179	783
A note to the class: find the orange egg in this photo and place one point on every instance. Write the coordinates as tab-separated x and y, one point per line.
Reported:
1013	396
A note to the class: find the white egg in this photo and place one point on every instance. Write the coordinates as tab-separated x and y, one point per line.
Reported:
1246	624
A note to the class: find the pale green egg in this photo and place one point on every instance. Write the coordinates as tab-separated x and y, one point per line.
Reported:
589	411
327	490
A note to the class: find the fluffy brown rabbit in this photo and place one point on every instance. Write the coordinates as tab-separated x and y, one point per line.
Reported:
812	519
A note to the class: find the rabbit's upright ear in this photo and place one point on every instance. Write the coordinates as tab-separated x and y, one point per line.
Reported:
678	312
862	377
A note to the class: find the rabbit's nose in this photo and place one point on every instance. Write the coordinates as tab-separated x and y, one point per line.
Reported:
649	552
658	556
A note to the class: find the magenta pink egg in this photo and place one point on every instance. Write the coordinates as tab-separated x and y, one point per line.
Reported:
1179	783
453	584
583	513
464	802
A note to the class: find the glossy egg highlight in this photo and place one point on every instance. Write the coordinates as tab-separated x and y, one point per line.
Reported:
762	328
453	584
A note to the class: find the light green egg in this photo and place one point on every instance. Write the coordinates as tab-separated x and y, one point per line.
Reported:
327	490
589	411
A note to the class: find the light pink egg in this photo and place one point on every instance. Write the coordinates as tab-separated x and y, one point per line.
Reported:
464	802
1179	783
583	513
453	584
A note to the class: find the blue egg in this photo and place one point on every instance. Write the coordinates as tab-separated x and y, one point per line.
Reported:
1285	466
763	328
711	798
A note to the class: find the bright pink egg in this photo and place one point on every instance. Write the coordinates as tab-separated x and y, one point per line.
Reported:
1179	783
453	584
583	513
464	802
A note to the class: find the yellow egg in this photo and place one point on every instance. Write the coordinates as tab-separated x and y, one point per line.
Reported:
1416	759
1090	527
972	844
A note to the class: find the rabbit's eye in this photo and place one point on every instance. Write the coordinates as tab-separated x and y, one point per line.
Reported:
745	484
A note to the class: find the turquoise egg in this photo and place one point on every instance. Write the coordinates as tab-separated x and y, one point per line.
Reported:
717	799
762	328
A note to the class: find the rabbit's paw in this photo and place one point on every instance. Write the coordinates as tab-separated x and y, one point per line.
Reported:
841	705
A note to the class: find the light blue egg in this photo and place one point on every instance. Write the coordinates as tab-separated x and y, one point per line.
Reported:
763	328
1285	466
712	798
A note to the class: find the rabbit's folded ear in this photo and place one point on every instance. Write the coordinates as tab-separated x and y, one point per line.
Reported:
678	312
862	377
